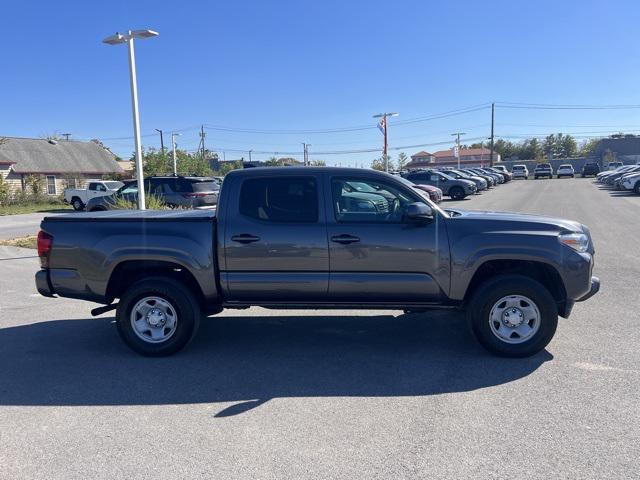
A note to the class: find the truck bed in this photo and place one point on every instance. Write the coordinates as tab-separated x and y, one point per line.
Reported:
84	258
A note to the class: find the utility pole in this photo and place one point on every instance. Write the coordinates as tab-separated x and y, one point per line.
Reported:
173	146
66	136
250	155
493	109
305	155
383	128
457	135
201	146
161	140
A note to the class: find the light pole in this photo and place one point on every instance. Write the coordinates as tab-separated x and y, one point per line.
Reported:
173	146
383	127
457	135
250	155
127	38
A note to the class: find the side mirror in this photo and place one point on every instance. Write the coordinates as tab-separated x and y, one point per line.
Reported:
419	211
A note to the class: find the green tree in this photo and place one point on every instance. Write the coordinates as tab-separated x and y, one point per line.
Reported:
588	147
378	164
228	167
402	160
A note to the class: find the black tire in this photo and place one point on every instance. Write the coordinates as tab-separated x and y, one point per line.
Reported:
456	193
77	204
636	187
98	208
178	296
491	292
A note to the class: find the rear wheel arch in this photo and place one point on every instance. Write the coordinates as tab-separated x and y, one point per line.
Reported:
129	272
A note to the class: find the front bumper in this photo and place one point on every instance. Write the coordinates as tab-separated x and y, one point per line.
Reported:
595	288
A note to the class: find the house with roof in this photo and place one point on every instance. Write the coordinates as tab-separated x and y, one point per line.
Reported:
469	157
59	163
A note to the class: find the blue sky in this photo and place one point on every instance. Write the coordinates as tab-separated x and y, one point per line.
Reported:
301	65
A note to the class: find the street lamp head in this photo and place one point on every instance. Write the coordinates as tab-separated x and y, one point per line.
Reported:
143	33
120	38
115	39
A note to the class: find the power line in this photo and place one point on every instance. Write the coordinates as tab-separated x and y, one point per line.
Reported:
549	106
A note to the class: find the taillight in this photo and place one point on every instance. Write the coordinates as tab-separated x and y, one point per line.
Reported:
45	241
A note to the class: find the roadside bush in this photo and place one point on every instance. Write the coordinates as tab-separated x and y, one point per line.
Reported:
153	202
5	194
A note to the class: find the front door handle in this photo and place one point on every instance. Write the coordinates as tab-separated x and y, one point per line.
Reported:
345	239
245	238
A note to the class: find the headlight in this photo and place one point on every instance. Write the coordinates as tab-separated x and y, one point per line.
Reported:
578	241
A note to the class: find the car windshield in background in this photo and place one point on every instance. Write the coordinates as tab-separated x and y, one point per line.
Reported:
113	185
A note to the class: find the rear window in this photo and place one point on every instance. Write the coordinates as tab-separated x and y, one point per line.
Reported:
544	166
280	199
205	186
518	167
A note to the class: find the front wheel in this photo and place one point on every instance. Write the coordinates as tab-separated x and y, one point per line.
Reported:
157	316
636	187
513	316
77	204
456	193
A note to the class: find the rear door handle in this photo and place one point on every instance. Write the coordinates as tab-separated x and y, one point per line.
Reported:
245	238
345	239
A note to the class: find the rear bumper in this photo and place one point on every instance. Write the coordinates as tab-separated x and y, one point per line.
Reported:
595	288
43	285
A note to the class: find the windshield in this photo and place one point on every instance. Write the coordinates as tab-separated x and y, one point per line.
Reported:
113	185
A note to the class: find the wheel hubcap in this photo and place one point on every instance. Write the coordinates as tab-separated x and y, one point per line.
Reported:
514	319
154	319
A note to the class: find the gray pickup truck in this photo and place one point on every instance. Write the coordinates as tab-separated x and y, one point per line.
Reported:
319	238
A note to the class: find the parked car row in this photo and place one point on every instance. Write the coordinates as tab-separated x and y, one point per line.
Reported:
625	177
174	191
545	170
456	183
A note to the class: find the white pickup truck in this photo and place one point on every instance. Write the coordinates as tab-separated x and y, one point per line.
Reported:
78	197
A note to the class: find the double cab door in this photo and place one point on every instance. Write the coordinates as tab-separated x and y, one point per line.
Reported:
324	238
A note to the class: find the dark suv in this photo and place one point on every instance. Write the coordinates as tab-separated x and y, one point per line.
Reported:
543	170
174	191
591	168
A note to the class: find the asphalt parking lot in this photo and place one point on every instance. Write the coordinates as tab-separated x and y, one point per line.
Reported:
350	394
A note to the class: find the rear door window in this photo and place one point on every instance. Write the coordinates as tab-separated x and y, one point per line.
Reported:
280	199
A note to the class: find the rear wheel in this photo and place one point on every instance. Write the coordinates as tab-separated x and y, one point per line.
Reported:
513	316
636	187
457	193
158	316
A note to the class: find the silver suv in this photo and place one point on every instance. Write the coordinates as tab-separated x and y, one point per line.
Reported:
174	191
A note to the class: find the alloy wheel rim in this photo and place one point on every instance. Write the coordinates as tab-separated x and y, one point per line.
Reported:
153	319
514	319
